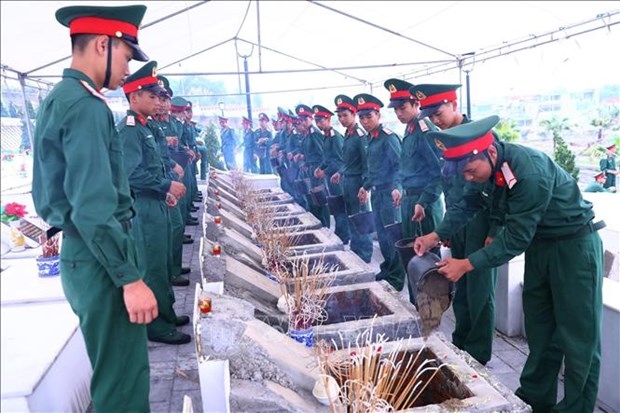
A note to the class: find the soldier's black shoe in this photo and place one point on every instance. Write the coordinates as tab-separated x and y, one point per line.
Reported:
181	320
189	223
185	270
380	276
175	337
188	241
194	209
180	282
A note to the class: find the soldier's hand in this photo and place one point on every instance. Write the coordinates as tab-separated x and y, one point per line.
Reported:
179	171
488	240
177	189
172	140
319	173
273	152
418	213
140	302
362	195
425	243
289	156
453	269
171	200
297	157
396	197
335	179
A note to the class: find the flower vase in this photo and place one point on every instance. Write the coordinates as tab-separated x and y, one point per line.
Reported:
18	242
48	266
303	336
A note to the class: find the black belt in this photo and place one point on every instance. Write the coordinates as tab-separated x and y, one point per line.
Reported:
381	187
72	232
585	230
412	191
151	195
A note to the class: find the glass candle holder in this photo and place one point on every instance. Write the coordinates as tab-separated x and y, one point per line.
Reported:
216	250
204	304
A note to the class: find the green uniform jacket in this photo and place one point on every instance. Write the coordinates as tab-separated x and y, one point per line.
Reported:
160	138
332	152
354	152
262	150
143	161
543	201
419	163
608	164
312	148
383	160
279	140
75	127
294	143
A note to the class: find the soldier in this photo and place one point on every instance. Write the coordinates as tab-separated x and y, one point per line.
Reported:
292	148
263	138
80	186
608	165
351	172
597	184
474	299
546	218
332	162
309	158
152	191
381	179
249	142
229	144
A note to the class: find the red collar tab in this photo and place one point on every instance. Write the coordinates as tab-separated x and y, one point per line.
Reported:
400	94
141	119
411	128
97	25
472	147
443	97
499	179
138	83
375	133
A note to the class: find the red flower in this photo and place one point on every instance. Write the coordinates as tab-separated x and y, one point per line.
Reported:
13	211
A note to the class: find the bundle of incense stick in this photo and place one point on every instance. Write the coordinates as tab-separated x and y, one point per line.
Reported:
50	247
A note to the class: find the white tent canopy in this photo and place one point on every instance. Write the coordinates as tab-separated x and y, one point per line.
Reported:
323	48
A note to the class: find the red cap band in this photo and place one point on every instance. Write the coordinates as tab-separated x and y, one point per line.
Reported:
136	84
348	106
400	94
322	114
472	147
304	113
177	108
369	105
448	96
97	25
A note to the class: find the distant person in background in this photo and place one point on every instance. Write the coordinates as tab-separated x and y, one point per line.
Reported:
25	145
229	144
608	166
249	157
598	184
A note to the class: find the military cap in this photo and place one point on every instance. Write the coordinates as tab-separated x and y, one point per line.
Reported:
321	112
246	120
460	143
611	147
178	104
343	102
367	103
144	78
433	96
165	83
303	110
399	92
275	119
263	116
121	22
282	113
222	119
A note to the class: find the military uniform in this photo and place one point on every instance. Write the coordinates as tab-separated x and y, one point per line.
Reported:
249	143
80	186
150	185
262	147
381	179
545	216
354	147
311	147
609	164
474	299
229	144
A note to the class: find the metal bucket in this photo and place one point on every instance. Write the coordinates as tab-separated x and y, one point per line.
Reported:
318	194
363	222
404	246
395	233
336	204
302	186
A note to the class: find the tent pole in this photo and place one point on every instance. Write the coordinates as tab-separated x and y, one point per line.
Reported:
22	83
468	94
248	98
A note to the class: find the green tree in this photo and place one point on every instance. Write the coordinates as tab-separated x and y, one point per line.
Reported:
212	143
562	155
506	131
31	112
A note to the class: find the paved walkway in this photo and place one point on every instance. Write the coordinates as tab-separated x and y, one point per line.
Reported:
174	369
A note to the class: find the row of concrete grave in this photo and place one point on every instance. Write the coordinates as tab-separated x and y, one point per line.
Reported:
272	372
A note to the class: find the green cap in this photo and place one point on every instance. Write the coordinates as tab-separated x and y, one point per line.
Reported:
367	103
343	102
178	104
303	110
460	143
121	22
144	78
433	96
165	83
399	92
321	112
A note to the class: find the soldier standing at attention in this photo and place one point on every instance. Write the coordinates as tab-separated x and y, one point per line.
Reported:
249	157
381	179
474	299
332	163
263	138
310	157
80	186
608	166
546	218
153	191
350	174
229	144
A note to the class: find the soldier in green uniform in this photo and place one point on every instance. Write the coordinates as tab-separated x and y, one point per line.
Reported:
608	165
249	142
152	191
352	170
332	162
292	148
474	299
597	184
263	138
546	218
80	186
382	179
229	144
310	157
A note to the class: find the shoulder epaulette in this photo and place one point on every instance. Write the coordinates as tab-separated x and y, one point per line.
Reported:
509	176
423	126
360	132
92	91
387	130
131	120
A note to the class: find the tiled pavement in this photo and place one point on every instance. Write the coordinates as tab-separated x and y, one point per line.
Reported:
174	369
